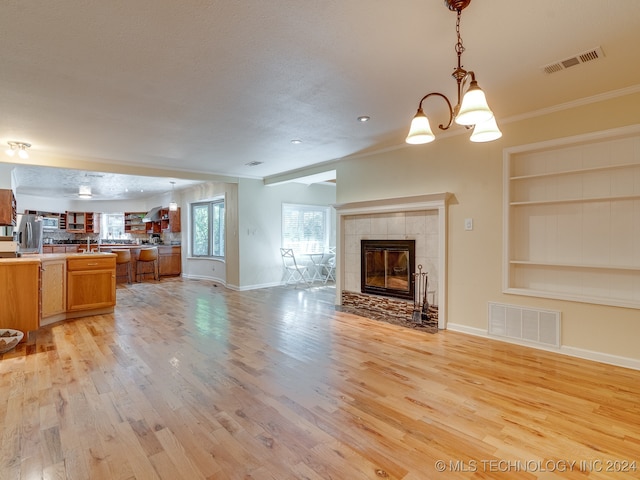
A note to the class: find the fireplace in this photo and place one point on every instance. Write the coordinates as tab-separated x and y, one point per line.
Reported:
387	267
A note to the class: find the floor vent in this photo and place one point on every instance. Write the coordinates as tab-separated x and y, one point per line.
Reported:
593	54
527	324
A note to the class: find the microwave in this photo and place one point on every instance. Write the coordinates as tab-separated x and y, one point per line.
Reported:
50	223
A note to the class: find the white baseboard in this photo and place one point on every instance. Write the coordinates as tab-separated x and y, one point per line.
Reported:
563	350
232	287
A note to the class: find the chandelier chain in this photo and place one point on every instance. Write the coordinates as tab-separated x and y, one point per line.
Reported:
459	46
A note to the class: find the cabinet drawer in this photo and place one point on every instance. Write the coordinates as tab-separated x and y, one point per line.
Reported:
88	263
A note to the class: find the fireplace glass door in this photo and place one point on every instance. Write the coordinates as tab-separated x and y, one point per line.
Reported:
387	267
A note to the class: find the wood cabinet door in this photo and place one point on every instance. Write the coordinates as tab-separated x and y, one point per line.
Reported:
174	220
91	289
7	207
19	296
169	261
53	290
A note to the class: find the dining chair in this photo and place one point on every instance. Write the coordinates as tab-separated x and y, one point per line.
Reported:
294	272
328	265
329	268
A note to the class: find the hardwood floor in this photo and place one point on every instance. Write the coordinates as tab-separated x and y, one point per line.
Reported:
187	380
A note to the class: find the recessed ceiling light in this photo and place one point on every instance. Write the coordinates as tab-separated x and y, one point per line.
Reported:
363	118
253	164
296	141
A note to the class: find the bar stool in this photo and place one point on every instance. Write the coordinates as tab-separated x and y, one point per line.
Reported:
123	257
147	255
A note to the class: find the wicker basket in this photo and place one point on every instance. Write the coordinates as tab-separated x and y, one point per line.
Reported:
9	338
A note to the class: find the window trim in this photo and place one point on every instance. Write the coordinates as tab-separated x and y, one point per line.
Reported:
219	199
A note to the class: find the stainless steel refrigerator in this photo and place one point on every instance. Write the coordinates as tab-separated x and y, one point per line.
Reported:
30	233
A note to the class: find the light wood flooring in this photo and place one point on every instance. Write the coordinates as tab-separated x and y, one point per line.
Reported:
188	380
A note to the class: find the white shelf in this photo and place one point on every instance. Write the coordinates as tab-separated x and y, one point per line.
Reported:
575	265
598	300
573	172
578	200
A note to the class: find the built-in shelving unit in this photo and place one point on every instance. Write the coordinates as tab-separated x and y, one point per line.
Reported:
572	219
76	222
169	222
82	222
133	222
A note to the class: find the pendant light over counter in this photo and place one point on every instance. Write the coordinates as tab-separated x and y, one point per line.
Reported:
173	206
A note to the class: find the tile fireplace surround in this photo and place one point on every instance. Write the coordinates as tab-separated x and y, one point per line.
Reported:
421	218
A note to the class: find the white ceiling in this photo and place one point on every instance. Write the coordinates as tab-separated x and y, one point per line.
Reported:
58	182
211	85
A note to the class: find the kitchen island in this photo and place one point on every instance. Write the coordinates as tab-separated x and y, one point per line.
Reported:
37	290
169	257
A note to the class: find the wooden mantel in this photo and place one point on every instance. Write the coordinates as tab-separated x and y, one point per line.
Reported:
430	201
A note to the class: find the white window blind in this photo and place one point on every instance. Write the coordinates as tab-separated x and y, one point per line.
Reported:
305	228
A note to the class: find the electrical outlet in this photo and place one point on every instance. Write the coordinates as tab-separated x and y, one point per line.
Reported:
468	223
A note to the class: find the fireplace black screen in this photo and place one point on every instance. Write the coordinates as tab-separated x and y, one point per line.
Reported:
387	267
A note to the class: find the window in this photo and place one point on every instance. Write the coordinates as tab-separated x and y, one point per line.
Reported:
305	228
112	226
207	228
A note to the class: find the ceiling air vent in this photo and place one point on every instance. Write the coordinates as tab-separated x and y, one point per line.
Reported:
593	54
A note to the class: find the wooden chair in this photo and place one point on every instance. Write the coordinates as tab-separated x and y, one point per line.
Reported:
147	256
294	272
123	257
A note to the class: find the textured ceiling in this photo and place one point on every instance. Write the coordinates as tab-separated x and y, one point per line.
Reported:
57	182
210	86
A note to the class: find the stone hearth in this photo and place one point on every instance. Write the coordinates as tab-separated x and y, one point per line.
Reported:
390	310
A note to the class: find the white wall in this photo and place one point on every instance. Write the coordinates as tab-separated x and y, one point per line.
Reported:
260	226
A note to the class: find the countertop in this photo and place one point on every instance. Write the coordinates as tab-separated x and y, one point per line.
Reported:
38	257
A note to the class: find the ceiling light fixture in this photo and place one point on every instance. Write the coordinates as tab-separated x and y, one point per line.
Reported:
20	148
470	110
173	206
84	191
364	118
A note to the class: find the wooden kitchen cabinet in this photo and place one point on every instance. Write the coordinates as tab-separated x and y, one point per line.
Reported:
133	222
7	208
53	290
169	260
19	295
170	220
91	282
82	222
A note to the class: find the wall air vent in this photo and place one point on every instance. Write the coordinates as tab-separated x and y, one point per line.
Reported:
593	54
531	325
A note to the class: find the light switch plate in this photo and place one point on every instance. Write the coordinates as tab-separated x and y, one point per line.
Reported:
468	223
